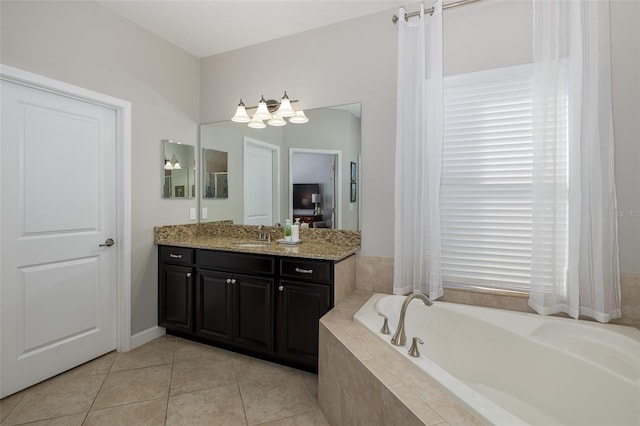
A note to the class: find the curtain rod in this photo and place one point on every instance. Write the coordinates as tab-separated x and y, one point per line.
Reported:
430	10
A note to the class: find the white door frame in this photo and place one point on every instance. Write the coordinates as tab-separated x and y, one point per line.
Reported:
337	202
276	173
123	184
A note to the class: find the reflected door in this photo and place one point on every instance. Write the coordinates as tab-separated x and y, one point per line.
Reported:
260	197
58	292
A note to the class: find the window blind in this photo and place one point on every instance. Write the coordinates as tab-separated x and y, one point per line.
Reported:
486	186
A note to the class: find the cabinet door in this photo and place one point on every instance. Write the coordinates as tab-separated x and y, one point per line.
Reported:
175	298
300	306
254	312
214	305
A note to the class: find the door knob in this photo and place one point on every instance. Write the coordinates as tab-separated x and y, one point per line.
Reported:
108	243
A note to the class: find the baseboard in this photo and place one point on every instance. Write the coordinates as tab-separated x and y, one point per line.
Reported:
146	336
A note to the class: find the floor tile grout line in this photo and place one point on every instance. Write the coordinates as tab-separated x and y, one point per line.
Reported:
166	408
100	388
244	410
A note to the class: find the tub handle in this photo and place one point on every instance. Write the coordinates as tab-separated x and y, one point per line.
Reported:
385	325
413	351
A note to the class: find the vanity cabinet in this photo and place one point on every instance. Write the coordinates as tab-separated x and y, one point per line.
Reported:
235	309
265	305
175	288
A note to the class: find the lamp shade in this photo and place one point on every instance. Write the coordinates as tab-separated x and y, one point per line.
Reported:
256	123
262	113
299	118
241	115
316	198
286	110
276	120
167	165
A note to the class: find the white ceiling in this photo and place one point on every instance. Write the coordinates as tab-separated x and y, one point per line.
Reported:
208	27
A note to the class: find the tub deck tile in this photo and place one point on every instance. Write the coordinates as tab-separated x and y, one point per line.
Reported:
362	380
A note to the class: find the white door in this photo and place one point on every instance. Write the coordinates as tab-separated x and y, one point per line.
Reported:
261	177
58	279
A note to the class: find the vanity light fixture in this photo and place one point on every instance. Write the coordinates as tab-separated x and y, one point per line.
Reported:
272	111
172	164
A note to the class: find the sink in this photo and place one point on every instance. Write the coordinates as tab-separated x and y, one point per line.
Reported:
250	245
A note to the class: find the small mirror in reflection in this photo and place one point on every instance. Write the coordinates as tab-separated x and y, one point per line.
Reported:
178	170
215	174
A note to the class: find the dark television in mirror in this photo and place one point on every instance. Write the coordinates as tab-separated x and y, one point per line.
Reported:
302	193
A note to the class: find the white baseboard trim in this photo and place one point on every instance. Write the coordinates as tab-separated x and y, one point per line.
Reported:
146	336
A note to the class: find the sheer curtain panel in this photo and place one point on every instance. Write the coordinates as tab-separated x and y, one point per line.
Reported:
419	133
575	248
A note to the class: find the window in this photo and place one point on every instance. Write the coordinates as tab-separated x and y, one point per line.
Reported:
486	185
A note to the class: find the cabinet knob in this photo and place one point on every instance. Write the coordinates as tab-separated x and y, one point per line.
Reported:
188	274
228	280
233	280
281	288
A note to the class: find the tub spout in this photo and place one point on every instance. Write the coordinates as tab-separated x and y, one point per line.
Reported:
399	338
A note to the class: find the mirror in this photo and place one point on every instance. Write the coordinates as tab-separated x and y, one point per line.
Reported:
263	165
178	170
215	171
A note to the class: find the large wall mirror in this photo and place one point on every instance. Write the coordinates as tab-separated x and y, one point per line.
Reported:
178	170
308	171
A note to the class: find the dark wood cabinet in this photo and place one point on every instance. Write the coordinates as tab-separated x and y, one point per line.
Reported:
214	306
175	290
264	305
235	309
254	313
300	307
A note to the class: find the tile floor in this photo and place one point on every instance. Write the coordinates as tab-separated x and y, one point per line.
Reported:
170	381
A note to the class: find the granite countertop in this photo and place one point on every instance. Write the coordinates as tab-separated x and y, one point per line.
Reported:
322	244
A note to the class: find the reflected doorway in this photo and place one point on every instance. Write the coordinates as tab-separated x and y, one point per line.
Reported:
314	187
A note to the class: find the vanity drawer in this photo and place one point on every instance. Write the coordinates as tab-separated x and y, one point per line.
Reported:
236	262
305	269
177	255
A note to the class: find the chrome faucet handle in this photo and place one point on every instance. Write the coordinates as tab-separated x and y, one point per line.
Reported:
385	325
413	351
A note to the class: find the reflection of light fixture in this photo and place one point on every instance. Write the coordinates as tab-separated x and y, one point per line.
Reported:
316	199
273	111
277	120
299	118
172	164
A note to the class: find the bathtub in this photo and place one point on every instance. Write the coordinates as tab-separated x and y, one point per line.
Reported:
515	368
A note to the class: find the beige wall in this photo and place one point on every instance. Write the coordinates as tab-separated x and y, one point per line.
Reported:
355	61
85	44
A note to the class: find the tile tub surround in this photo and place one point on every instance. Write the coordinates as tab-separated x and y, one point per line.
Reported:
362	381
375	274
327	244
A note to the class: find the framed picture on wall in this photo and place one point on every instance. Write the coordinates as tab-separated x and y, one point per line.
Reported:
353	172
353	192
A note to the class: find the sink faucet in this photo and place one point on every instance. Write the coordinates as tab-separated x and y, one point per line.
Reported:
399	338
264	235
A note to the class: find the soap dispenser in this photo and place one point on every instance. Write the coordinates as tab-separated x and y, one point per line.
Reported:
295	231
287	230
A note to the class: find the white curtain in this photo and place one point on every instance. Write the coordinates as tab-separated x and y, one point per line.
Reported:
575	248
419	132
